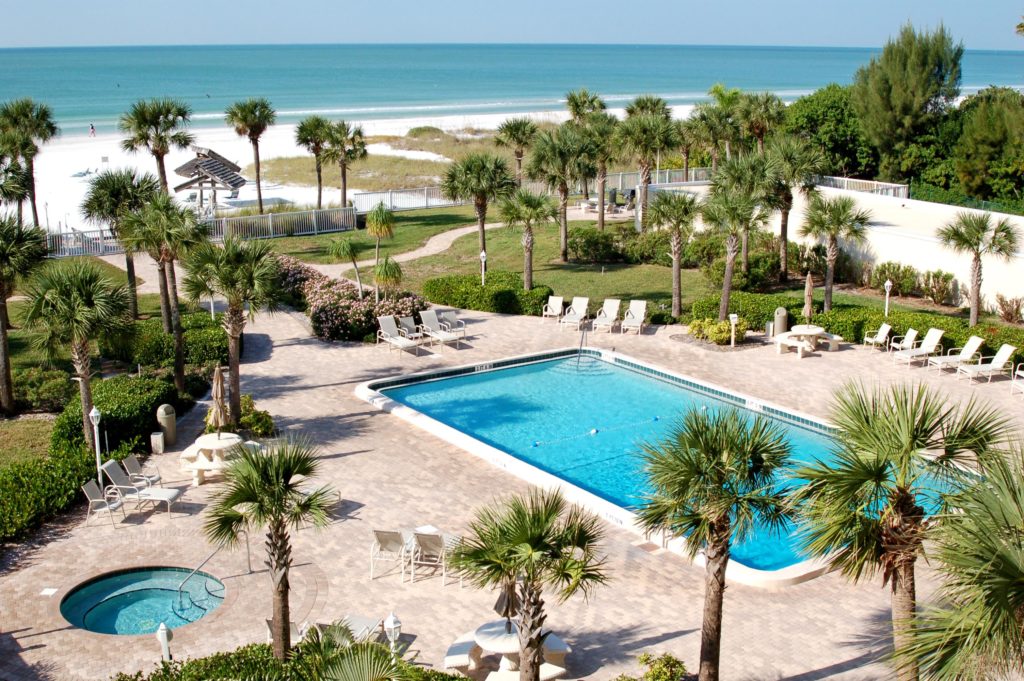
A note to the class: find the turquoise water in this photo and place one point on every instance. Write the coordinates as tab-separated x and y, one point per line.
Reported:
137	601
360	82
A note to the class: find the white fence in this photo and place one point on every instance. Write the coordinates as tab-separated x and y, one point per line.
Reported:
899	191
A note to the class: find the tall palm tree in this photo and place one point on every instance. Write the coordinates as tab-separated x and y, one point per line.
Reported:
159	126
480	178
530	543
727	101
112	196
71	305
13	178
676	212
715	478
516	134
380	224
331	653
22	251
649	105
865	509
715	128
733	213
31	125
760	114
250	118
599	128
581	103
313	134
973	630
268	491
979	235
793	162
245	274
689	138
643	137
346	144
553	161
750	175
832	219
344	250
524	210
387	276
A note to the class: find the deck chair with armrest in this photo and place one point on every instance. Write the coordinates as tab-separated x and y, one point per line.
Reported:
931	345
394	336
608	315
1000	363
576	314
433	327
633	320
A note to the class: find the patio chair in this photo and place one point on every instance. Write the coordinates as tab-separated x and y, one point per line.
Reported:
451	323
553	308
435	330
1000	364
393	336
878	338
928	347
363	628
296	633
576	314
410	329
633	320
1017	380
108	500
136	472
129	491
906	342
963	355
608	315
390	546
429	550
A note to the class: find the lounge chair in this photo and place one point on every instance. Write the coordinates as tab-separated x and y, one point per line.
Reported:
928	347
364	629
962	355
429	550
435	330
548	672
553	308
878	338
897	343
130	491
393	336
1000	364
1017	380
410	329
108	500
389	546
576	314
296	633
633	320
136	472
608	315
451	323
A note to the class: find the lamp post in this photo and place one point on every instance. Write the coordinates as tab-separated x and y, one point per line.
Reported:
483	268
888	288
733	318
392	629
164	635
94	418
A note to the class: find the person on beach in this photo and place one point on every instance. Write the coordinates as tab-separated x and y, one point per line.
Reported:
92	130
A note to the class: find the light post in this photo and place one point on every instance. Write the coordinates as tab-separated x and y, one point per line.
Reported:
392	629
733	318
164	635
94	418
888	288
483	268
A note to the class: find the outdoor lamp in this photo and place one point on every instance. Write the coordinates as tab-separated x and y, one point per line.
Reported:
94	418
392	629
483	268
888	288
164	635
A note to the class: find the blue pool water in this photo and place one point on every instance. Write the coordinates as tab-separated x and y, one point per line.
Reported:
547	413
137	601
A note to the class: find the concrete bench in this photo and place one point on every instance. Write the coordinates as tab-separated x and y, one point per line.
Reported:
555	650
548	672
784	342
832	340
464	653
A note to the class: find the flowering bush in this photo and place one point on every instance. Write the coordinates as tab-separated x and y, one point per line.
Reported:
337	313
295	274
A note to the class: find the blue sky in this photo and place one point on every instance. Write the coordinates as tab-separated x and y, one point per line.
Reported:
981	24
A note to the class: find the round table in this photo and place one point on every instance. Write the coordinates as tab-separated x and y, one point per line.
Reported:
215	443
807	330
494	638
212	448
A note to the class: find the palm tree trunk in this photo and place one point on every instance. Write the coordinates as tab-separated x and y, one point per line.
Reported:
744	254
259	188
731	248
728	150
831	255
519	167
80	360
165	301
711	628
714	161
686	166
527	257
563	222
904	605
359	282
234	324
161	172
760	145
586	189
6	380
602	179
376	262
784	244
319	184
179	335
279	559
645	182
481	220
30	170
531	628
133	292
344	183
975	288
676	248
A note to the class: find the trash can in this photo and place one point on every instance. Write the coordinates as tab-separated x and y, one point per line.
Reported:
156	442
769	329
781	323
165	416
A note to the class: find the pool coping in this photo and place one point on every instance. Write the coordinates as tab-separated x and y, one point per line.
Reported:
369	392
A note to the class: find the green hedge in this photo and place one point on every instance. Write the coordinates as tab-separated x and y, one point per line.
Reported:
503	293
757	308
206	342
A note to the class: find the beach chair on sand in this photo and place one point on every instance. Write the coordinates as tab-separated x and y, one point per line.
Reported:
395	337
928	347
433	327
576	314
1000	364
962	355
879	337
553	308
608	315
633	320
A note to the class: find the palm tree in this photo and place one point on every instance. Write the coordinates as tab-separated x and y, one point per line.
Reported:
313	133
112	196
347	250
733	213
759	114
524	209
793	162
689	137
727	101
517	134
865	509
751	176
346	144
979	235
973	631
530	543
251	118
649	105
715	128
715	478
70	305
581	103
832	219
269	491
31	125
599	129
13	178
643	137
22	250
480	178
387	276
331	653
157	125
245	274
553	161
676	211
380	224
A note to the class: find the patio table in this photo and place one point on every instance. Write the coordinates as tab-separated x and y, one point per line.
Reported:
494	638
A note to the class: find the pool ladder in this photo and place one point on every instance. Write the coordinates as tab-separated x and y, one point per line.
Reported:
583	341
248	559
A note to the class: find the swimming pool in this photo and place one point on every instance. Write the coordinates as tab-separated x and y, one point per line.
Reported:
136	601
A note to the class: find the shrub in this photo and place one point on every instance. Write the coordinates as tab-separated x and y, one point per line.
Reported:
715	273
703	248
937	286
719	333
903	277
589	244
650	247
756	308
337	313
147	344
1009	308
665	667
503	293
294	275
40	390
257	422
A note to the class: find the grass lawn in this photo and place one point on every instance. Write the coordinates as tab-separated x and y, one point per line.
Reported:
412	229
24	439
111	271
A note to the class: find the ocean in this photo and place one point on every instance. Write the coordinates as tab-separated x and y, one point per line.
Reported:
360	82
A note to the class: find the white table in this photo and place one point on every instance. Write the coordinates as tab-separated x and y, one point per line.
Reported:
494	638
212	449
808	332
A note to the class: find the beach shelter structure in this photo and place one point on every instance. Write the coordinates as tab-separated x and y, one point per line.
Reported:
209	171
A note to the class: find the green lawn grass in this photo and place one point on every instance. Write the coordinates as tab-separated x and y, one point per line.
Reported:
24	439
112	272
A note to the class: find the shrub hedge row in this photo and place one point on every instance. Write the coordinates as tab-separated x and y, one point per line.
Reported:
206	342
757	308
503	293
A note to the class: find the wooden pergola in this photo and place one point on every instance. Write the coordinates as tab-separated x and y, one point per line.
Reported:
209	171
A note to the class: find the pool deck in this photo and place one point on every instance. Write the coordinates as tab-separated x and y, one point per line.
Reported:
392	475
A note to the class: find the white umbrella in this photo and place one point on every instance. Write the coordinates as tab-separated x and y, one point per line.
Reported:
217	417
809	299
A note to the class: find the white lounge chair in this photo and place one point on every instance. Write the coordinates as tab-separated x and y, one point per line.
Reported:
451	323
429	550
389	546
576	314
928	347
553	308
129	490
363	628
633	320
905	342
878	338
548	672
962	355
1017	380
137	472
434	329
296	633
608	315
108	500
393	336
1000	364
